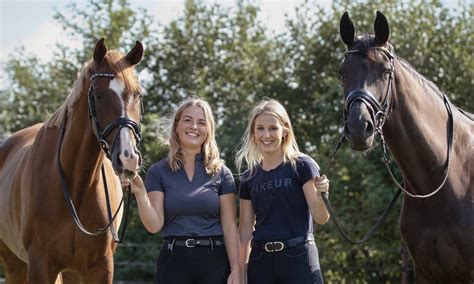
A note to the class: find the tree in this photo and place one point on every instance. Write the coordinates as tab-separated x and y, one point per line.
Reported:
228	57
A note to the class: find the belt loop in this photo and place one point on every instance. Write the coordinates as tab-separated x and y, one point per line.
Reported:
171	245
211	241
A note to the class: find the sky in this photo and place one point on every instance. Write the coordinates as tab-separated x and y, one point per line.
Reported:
30	23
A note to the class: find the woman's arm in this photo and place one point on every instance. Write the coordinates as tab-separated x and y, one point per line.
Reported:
312	191
228	216
246	227
150	206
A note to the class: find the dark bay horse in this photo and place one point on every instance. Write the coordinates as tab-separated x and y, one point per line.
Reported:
385	95
39	241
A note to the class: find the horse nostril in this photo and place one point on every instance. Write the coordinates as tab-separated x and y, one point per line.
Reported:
369	128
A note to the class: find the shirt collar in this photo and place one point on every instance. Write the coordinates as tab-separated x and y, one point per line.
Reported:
199	157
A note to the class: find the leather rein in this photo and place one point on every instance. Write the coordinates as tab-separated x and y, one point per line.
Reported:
101	136
379	114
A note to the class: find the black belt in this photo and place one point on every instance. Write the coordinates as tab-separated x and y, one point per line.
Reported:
275	246
212	242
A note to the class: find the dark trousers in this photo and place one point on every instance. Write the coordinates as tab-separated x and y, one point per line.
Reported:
298	264
197	265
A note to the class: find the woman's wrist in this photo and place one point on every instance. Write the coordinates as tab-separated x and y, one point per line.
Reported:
141	194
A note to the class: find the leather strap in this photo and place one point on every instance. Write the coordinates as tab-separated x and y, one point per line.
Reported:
275	245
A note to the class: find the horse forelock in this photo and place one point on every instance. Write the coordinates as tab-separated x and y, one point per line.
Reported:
121	68
366	45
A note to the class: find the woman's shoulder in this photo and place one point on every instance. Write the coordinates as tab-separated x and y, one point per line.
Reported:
161	165
249	174
224	171
305	160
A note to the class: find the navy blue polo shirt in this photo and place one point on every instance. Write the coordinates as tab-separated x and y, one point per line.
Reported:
191	207
278	200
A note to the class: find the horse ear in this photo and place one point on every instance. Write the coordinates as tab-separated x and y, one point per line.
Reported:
381	29
347	29
100	51
136	54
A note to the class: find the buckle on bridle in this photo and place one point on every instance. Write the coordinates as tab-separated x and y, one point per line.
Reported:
274	246
190	243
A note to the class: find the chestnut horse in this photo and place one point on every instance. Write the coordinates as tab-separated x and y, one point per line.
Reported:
432	142
42	164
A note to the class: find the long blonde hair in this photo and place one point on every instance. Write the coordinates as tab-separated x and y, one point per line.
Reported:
211	159
249	154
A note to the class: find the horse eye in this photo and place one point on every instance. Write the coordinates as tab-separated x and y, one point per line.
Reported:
387	72
98	97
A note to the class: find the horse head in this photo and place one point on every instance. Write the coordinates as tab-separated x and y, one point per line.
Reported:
114	101
366	75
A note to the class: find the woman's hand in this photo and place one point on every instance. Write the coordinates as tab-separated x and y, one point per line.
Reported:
136	184
234	278
321	183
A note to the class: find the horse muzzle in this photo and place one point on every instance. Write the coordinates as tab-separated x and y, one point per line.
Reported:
125	156
359	127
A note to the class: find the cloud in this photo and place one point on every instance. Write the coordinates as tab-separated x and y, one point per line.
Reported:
41	42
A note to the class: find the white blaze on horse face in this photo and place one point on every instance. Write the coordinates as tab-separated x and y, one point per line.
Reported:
128	155
118	87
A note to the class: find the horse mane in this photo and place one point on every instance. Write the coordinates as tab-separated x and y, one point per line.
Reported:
366	45
119	66
425	82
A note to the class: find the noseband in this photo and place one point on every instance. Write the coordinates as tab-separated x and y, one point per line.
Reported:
378	111
119	123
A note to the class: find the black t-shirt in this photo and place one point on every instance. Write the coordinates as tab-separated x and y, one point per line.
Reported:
278	200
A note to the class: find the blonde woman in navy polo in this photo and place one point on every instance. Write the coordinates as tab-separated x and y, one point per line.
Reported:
280	196
190	198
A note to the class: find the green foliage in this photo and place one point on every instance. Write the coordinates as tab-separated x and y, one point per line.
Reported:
136	259
228	57
215	53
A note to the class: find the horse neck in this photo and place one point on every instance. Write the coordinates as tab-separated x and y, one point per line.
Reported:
81	156
416	131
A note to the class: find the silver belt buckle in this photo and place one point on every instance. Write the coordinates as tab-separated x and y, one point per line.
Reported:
189	244
279	246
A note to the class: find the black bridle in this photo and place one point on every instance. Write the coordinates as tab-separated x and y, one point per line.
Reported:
101	137
379	113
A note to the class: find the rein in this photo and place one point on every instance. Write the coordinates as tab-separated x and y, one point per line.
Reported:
101	137
379	113
380	220
71	206
450	149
